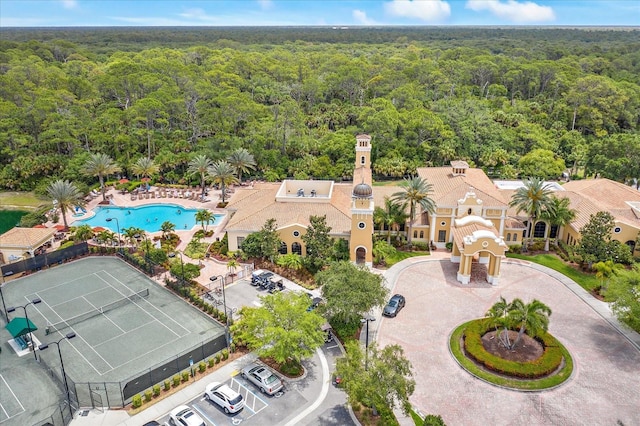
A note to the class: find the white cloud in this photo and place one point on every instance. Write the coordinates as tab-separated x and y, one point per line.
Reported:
198	15
514	11
69	4
424	10
265	4
361	17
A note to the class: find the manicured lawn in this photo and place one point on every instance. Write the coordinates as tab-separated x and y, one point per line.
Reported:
402	255
21	200
586	281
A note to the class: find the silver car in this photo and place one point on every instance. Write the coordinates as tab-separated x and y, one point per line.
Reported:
263	378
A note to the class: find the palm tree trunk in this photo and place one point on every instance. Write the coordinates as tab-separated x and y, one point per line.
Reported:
411	218
202	183
520	333
102	188
223	191
63	210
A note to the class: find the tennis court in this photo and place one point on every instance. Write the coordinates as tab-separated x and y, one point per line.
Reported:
124	322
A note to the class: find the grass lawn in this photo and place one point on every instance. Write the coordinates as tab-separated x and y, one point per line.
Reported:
21	201
402	255
586	281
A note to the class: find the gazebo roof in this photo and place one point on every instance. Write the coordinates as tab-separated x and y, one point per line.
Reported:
25	238
20	326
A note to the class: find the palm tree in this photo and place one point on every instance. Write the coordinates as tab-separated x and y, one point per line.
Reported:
204	216
532	198
415	191
242	161
144	167
106	237
66	196
199	165
167	228
232	265
222	172
532	317
291	261
132	234
82	233
392	216
498	314
560	215
100	165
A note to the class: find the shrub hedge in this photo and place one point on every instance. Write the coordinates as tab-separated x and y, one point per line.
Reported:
549	362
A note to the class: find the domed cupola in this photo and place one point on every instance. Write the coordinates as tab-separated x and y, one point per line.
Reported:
362	190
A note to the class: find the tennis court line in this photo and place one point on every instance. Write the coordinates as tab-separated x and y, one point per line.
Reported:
125	332
104	315
76	298
152	306
78	336
14	397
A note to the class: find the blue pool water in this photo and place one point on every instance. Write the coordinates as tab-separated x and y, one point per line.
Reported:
149	217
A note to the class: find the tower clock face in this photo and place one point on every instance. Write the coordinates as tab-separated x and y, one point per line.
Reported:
361	225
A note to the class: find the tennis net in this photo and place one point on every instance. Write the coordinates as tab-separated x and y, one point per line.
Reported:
51	328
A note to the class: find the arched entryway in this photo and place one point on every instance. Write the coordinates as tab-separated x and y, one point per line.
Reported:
477	240
361	255
296	248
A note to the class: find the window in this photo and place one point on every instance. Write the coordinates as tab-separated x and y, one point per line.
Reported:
283	248
539	230
508	236
415	234
362	160
469	211
515	237
553	233
296	248
239	241
443	223
361	225
296	234
422	234
442	236
617	230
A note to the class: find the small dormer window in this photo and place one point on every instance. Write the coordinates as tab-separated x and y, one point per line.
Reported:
469	211
362	160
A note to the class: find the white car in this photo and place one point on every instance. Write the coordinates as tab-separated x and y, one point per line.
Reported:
228	399
185	416
263	378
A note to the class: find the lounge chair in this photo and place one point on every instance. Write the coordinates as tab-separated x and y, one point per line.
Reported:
153	194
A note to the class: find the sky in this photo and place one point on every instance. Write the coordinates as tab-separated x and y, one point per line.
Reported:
69	13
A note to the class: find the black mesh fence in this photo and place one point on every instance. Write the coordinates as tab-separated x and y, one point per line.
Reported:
44	260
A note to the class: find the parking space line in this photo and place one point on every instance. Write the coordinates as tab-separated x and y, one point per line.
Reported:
203	414
246	397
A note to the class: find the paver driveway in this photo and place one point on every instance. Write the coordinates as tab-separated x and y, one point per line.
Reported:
604	388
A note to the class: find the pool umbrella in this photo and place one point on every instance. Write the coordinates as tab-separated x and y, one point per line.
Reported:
59	228
123	180
99	229
145	179
40	226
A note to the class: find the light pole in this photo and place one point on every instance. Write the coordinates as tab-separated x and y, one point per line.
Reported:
24	308
227	334
109	219
181	267
366	320
64	374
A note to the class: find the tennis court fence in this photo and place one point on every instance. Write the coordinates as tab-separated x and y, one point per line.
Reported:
51	328
119	394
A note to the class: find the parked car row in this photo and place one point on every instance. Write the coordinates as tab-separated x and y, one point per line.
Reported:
267	280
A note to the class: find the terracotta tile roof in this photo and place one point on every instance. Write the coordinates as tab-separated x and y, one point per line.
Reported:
608	194
26	237
459	232
583	206
254	206
448	189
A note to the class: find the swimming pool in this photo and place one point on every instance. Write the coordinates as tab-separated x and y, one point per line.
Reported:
149	217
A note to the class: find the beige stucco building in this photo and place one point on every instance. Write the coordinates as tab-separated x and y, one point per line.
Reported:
472	212
20	243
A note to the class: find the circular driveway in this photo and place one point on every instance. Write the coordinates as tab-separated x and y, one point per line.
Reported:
604	388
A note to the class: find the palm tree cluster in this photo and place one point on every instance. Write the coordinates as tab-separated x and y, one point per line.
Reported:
532	318
222	172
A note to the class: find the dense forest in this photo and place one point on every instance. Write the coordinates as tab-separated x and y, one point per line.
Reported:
514	101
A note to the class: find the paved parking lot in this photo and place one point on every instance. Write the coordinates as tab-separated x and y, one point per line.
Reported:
604	387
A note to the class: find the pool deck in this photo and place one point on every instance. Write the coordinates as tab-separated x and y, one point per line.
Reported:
210	266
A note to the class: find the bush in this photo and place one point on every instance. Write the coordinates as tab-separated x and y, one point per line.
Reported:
202	366
515	248
176	380
449	246
217	358
185	376
167	385
211	362
156	390
225	354
419	245
136	401
433	420
148	394
550	360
